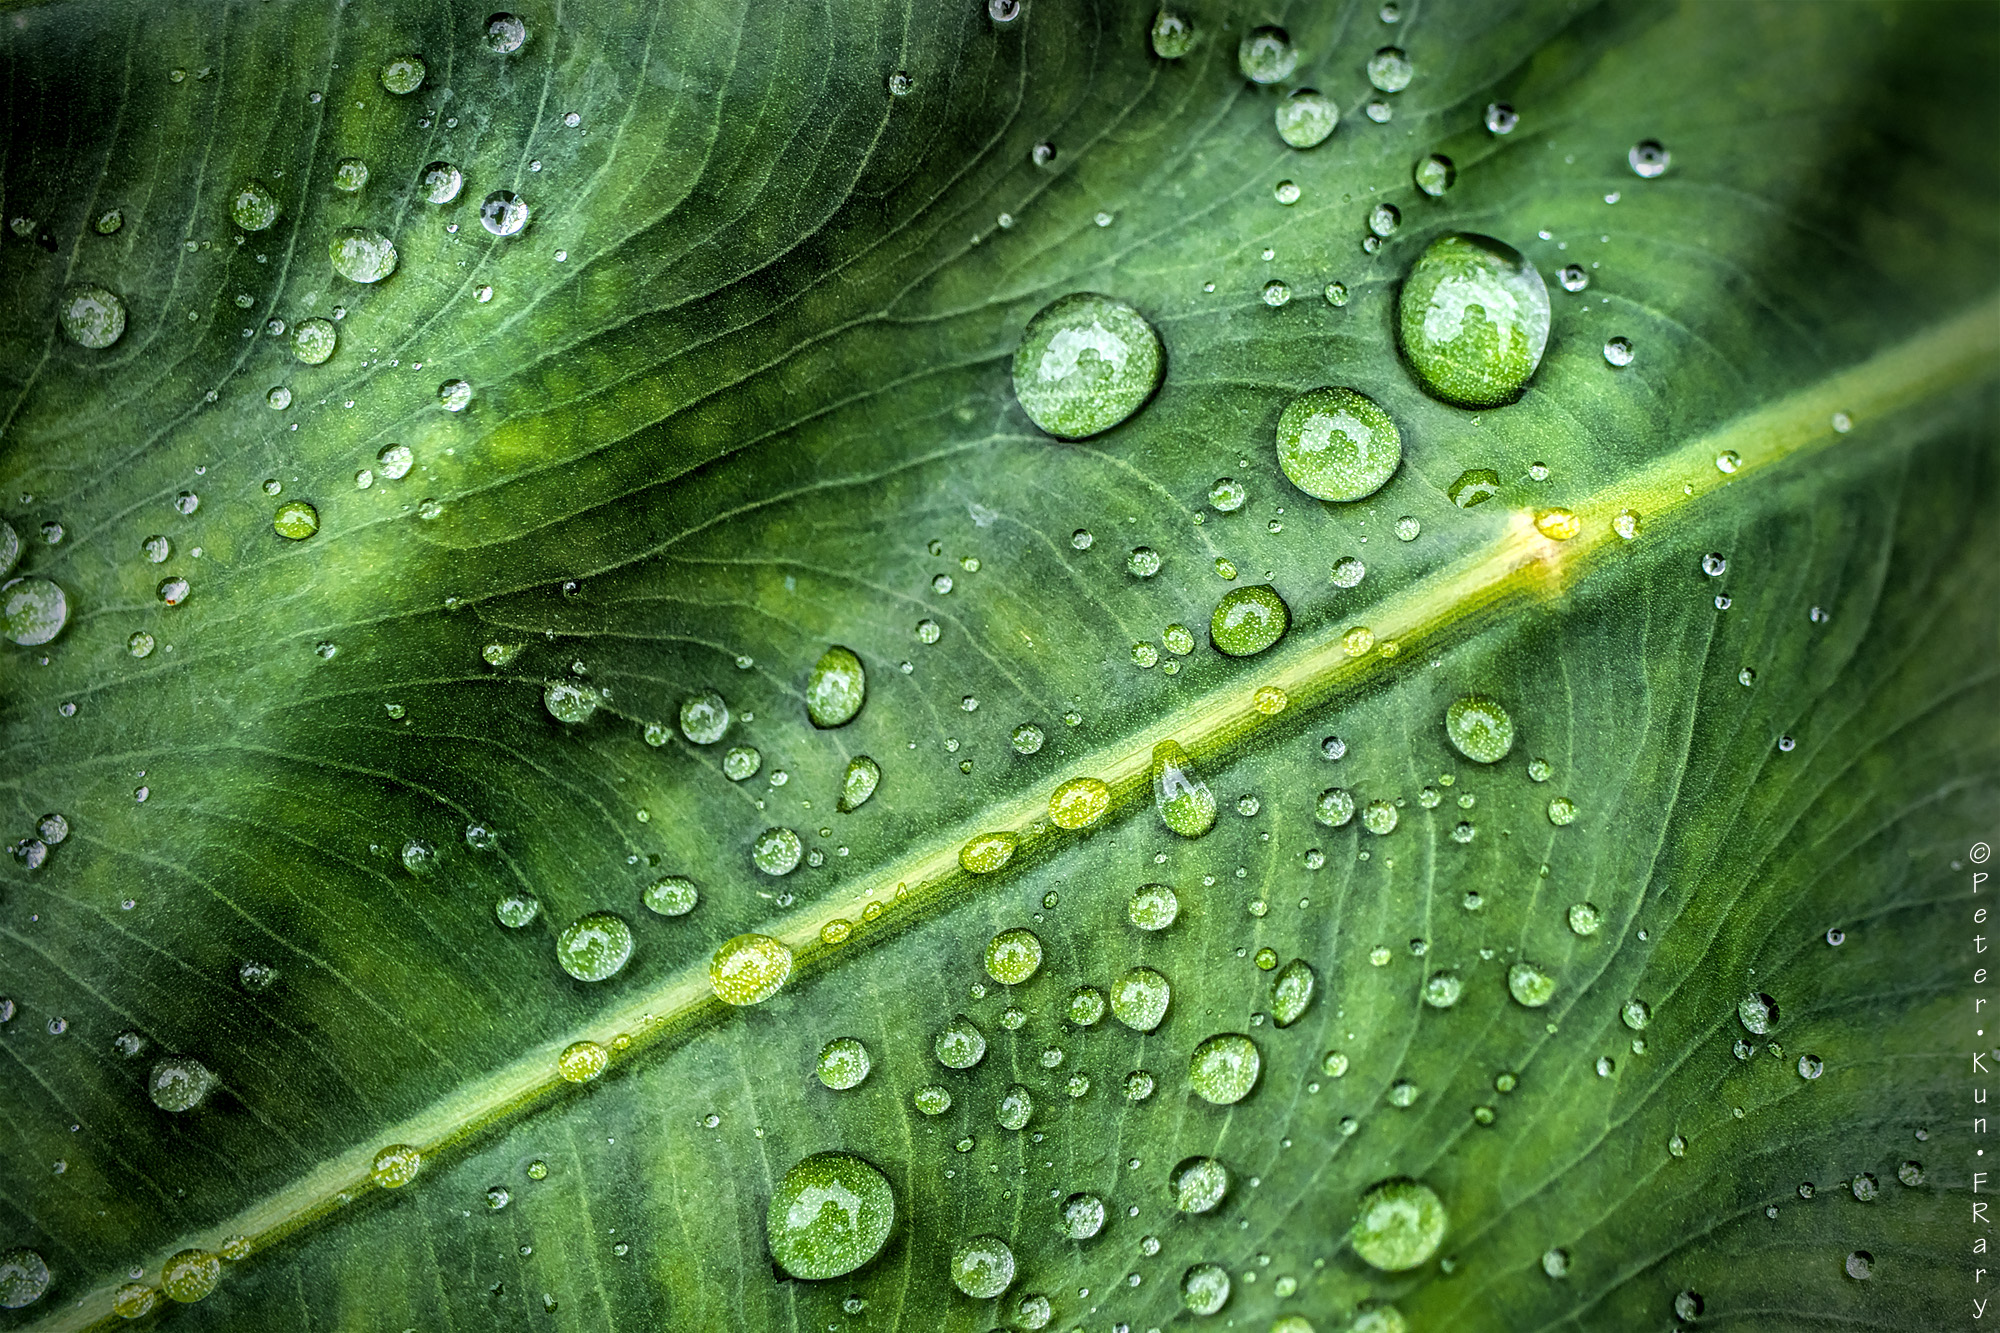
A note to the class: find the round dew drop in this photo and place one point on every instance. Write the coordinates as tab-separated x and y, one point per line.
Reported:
403	75
1389	69
1399	1225
1266	55
32	610
777	851
190	1275
1153	907
1585	919
1529	985
132	1300
1139	999
1292	992
350	174
503	213
313	341
569	701
674	895
830	1214
296	520
1016	1107
595	947
1249	620
179	1083
704	717
982	1267
1205	1288
1082	1216
1079	803
1184	803
1435	175
987	853
1085	363
1334	807
1473	320
1479	728
255	206
582	1061
362	255
442	182
1013	956
91	316
1224	1068
1307	118
836	688
505	34
1648	159
1337	444
749	969
959	1044
1443	989
1173	34
1198	1184
843	1063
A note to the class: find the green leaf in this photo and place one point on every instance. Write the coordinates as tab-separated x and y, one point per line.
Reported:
740	393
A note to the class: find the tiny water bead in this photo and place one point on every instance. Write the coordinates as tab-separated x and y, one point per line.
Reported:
1473	320
1173	34
901	84
1618	351
1184	803
296	520
1383	219
179	1083
255	206
704	717
1266	55
91	316
675	895
1079	803
1139	1085
1336	294
350	174
1286	192
362	255
959	1044
1562	811
1292	992
1205	1288
1337	444
503	213
1306	118
442	182
749	969
829	1215
982	1267
1648	158
1389	69
1153	907
1085	363
777	851
1636	1014
1479	728
1139	999
279	398
1013	956
1027	739
836	688
1574	277
931	1099
1248	620
403	75
857	784
1501	118
843	1063
1399	1225
582	1061
190	1275
1224	1068
314	340
1530	985
1435	174
516	910
32	610
594	947
1688	1305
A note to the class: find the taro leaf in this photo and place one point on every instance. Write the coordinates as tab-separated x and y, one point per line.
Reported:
739	392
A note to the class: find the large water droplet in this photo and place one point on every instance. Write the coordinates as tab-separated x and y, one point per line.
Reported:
1085	363
350	174
1153	907
189	1275
442	182
1079	803
505	33
179	1083
1013	956
777	851
1758	1013
982	1267
313	340
1399	1225
959	1044
1479	728
987	853
1016	1105
863	776
1266	55
843	1063
1337	444
704	717
674	895
255	206
1292	992
32	610
1529	984
1173	34
830	1214
503	213
1205	1288
1224	1068
1389	69
836	688
362	255
1435	174
569	700
1185	803
1139	999
296	520
1249	620
749	969
1306	118
91	316
1198	1184
1473	320
594	947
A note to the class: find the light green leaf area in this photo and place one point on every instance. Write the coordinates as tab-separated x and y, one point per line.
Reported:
740	391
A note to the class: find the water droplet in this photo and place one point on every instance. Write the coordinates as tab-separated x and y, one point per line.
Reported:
1389	69
362	255
442	182
900	84
403	75
91	316
33	610
1016	1105
928	631
1436	174
837	686
1248	620
1379	817
1185	803
1648	158
505	33
1562	810
254	208
179	1083
749	969
1337	444
350	174
1626	525
189	1275
1276	293
569	701
503	213
1292	992
1383	219
1758	1013
1079	803
987	853
829	1215
1728	461
1530	985
1013	956
843	1063
675	895
1618	351
1473	320
1173	34
1479	728
1558	525
777	850
134	1300
1335	805
1266	55
1027	738
1145	655
594	947
1398	1225
1084	364
582	1061
982	1267
1306	118
1224	1068
1501	118
296	520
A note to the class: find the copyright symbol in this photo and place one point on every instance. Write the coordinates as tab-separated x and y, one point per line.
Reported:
1980	851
